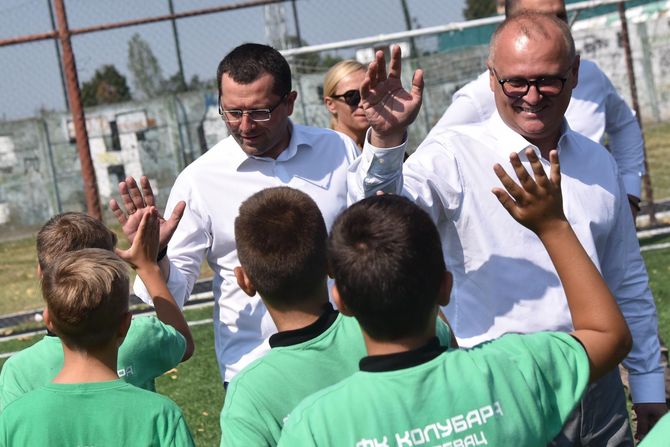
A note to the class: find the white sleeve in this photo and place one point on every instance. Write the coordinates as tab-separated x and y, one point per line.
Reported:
625	139
430	177
626	275
188	246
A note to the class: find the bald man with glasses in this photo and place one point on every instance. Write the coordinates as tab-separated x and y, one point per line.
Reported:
504	282
596	110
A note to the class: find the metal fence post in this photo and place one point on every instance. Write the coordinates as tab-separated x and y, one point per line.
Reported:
646	179
79	121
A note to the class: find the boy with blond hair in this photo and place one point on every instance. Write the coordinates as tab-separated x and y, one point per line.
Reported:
160	342
86	294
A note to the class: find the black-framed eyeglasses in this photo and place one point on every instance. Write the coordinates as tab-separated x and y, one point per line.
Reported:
350	97
257	115
519	87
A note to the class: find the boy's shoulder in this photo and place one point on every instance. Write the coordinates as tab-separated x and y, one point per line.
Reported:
506	376
138	414
344	332
150	348
261	396
30	368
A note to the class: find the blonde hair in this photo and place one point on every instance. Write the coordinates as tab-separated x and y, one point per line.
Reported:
86	292
335	74
71	231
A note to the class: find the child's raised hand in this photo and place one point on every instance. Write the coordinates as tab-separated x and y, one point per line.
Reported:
144	249
535	203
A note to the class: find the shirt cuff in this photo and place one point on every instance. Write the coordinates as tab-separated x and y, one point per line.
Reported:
647	388
631	183
383	159
176	284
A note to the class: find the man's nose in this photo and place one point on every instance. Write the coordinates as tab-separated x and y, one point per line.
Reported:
246	123
533	96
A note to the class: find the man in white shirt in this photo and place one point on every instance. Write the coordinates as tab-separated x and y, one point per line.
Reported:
596	109
503	280
264	149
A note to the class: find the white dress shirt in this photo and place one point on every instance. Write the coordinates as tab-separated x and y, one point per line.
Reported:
213	187
596	109
504	280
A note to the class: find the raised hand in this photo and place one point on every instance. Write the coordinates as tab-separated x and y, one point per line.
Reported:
390	108
535	203
135	200
144	249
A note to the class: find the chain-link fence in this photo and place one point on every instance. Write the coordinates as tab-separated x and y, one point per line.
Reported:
147	78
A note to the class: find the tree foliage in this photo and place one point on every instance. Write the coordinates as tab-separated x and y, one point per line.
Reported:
476	9
107	86
144	67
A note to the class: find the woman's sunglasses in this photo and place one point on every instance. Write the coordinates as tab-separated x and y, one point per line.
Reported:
350	97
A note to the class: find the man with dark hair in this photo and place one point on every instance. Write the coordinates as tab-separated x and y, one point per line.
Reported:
596	109
532	72
386	257
264	149
316	346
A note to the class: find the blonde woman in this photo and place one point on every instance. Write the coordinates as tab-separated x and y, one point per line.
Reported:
342	98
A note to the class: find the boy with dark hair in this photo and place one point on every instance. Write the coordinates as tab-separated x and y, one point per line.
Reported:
153	344
86	294
281	244
385	254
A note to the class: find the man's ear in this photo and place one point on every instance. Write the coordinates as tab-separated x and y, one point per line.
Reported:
445	288
244	281
493	82
290	101
339	303
39	271
575	71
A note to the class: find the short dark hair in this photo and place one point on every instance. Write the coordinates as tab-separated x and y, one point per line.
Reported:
281	244
249	61
86	292
386	257
68	232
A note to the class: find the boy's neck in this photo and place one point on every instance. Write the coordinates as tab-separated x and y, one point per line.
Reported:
88	366
377	347
301	316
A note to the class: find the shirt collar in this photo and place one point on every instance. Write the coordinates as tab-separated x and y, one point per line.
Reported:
294	337
510	141
402	360
299	140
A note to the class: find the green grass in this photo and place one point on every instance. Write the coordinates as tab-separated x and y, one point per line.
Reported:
658	158
20	289
658	266
196	387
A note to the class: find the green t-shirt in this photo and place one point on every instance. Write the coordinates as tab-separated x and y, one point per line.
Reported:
96	414
517	390
659	436
150	348
262	395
